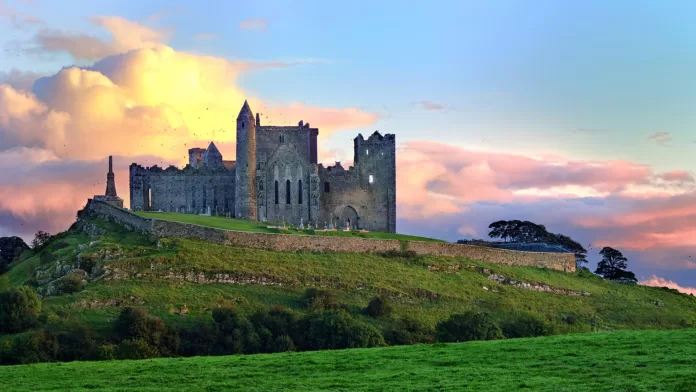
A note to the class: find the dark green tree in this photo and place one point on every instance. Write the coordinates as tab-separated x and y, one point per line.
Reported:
468	326
40	239
613	266
19	308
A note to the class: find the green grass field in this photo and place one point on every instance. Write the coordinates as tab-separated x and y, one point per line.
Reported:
245	225
627	361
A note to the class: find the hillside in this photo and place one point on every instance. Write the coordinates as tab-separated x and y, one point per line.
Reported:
616	361
182	280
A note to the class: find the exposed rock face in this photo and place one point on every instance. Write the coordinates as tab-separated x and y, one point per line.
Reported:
502	279
11	247
112	303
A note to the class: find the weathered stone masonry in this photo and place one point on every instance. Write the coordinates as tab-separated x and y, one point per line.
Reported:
290	242
276	178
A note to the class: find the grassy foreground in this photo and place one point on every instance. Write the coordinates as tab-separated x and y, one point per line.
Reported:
617	361
245	225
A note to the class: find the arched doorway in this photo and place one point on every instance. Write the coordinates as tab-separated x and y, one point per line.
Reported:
348	218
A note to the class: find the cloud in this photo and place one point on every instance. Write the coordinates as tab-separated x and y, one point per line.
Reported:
19	20
660	138
18	79
206	36
126	35
255	24
657	281
428	105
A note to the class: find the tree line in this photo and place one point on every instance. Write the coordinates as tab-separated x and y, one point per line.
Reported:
34	335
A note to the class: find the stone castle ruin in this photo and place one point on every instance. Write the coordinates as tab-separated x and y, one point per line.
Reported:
276	178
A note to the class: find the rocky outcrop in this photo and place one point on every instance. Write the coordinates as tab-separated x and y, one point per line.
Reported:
111	303
11	247
502	279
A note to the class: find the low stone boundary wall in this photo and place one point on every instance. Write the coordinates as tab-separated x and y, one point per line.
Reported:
121	216
291	242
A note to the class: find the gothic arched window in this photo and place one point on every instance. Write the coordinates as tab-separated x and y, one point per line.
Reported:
276	192
299	192
287	191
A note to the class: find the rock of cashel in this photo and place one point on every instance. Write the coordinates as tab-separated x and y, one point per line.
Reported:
276	178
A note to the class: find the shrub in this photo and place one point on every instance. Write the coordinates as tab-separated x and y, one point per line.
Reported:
76	342
378	307
235	334
32	347
281	344
107	352
135	349
525	325
335	330
468	326
318	299
4	266
71	284
408	331
135	323
19	308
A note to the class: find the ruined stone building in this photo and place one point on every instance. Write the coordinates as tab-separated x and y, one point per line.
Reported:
110	195
277	178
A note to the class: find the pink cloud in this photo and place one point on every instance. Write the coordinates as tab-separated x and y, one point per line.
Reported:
255	24
657	281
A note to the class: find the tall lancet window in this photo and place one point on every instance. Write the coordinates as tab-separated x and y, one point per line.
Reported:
287	191
299	192
276	192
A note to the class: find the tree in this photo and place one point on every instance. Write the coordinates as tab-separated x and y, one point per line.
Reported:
613	266
468	326
378	307
19	308
40	239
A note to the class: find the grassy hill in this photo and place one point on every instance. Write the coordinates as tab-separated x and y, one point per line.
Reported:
245	225
626	361
182	280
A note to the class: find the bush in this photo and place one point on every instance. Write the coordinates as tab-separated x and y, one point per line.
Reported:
135	349
318	299
408	331
378	307
235	334
71	284
468	326
19	308
281	344
32	347
525	325
135	323
273	324
335	330
107	352
4	266
76	342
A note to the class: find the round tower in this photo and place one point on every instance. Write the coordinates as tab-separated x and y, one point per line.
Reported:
245	177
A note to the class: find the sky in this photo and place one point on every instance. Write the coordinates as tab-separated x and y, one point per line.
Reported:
578	115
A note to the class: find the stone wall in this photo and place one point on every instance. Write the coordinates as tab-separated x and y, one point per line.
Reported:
290	242
121	216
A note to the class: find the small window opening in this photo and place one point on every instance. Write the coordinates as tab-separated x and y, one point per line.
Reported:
326	187
276	192
367	152
372	179
242	124
287	191
299	192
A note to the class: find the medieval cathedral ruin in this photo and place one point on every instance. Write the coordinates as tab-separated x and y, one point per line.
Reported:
276	178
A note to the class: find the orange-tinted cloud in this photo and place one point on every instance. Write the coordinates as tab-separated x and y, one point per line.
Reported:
657	281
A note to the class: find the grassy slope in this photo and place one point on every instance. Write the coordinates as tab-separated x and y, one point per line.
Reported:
244	225
618	361
428	295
